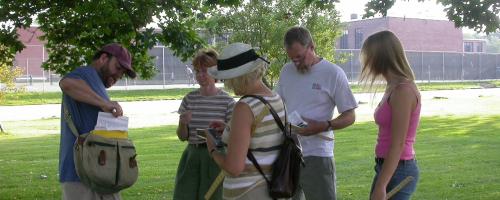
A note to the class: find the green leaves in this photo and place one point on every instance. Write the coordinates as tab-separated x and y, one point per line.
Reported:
373	7
75	30
263	25
481	16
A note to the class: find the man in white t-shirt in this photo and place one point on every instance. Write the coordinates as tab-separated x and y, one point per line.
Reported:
313	87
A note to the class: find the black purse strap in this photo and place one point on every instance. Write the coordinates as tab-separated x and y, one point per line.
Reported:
272	111
251	157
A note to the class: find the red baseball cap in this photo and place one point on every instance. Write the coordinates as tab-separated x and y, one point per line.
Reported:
122	56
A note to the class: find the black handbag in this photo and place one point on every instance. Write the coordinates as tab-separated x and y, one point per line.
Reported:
286	168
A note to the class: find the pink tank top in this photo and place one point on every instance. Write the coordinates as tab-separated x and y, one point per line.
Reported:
383	118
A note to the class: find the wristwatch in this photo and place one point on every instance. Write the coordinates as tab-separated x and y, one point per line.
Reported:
329	127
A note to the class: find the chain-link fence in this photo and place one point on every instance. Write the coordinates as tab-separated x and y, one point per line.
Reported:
437	66
427	66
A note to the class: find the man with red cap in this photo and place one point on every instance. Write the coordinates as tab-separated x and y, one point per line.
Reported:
84	95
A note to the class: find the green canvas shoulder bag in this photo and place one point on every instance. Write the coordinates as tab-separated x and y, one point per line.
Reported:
105	161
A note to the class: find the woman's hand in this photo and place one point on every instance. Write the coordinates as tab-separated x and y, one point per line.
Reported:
378	194
218	125
210	144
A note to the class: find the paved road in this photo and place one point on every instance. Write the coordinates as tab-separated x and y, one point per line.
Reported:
156	113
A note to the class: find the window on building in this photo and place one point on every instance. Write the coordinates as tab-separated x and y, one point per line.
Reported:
358	38
468	47
344	41
479	47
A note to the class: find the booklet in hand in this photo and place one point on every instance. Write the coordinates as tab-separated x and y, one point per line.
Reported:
212	133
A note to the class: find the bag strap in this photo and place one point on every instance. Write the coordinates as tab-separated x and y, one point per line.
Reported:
250	155
69	120
272	111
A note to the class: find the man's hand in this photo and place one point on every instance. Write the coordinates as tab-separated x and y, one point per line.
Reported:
112	107
313	127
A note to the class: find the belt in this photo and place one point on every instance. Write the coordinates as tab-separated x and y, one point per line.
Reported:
401	162
200	145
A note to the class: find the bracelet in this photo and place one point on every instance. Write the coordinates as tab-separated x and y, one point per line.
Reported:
329	127
212	151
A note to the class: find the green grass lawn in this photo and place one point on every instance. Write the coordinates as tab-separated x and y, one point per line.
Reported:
458	158
34	98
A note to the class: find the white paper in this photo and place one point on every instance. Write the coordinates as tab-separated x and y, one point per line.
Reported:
296	120
106	121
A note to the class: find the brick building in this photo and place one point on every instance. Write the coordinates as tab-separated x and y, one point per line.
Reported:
170	68
30	58
415	34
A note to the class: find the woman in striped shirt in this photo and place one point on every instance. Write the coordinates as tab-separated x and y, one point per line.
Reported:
252	127
196	170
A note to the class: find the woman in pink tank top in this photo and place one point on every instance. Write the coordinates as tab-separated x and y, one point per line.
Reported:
397	115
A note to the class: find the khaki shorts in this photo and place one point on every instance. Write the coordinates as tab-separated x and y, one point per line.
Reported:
78	191
317	179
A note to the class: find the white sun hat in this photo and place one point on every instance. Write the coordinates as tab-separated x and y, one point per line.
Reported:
235	60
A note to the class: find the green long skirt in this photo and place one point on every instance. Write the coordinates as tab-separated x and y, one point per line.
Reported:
195	174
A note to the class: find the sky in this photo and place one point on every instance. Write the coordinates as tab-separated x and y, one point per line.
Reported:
409	9
428	9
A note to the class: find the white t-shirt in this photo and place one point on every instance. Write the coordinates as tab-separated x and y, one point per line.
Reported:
314	95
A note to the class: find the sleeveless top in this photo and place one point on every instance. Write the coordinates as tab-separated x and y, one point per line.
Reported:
264	143
383	118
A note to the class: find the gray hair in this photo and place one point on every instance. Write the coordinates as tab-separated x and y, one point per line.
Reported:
298	34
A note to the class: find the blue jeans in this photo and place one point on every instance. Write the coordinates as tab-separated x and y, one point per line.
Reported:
404	169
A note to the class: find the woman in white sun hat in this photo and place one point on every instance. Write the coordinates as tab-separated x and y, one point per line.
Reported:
252	127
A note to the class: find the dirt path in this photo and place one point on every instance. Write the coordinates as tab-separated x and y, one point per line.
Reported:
157	113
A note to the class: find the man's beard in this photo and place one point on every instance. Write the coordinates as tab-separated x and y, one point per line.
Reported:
106	78
302	68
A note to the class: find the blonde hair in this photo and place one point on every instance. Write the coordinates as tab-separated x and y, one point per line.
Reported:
239	84
382	53
205	58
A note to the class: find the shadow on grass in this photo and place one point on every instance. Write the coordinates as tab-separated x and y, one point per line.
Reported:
25	161
458	159
456	155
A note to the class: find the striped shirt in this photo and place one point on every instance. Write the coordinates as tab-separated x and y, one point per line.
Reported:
264	144
205	109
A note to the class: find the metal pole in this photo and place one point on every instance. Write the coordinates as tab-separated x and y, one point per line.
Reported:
172	69
163	64
43	84
350	64
422	65
462	68
50	72
443	66
43	70
27	71
480	67
429	73
471	64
